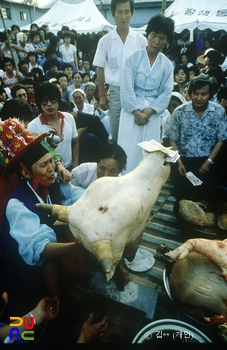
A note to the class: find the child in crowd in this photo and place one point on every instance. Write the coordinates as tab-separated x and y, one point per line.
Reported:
67	68
86	79
32	61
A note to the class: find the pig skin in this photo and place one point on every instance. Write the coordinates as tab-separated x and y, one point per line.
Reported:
198	286
113	211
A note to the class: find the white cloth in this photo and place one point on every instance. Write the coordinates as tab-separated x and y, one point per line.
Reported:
69	132
165	120
141	87
224	64
85	174
28	47
30	67
87	108
111	53
92	102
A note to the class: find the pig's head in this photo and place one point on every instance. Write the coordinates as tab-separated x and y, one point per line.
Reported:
102	249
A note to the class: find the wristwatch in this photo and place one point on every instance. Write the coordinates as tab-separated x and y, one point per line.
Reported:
210	160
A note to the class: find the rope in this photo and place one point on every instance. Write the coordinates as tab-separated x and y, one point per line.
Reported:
159	207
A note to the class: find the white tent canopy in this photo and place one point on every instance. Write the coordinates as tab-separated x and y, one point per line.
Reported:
201	14
84	17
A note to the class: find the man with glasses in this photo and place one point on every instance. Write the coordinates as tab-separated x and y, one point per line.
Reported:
19	92
48	98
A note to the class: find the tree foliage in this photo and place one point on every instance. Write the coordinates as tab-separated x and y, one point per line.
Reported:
30	2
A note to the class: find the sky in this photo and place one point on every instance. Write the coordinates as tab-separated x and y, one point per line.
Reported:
42	2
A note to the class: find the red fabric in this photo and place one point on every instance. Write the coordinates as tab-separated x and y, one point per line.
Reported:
37	183
32	98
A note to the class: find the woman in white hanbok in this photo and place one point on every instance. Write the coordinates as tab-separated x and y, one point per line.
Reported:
146	86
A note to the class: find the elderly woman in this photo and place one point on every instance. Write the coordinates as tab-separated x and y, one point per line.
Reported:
79	102
176	100
111	162
89	90
92	107
28	238
146	87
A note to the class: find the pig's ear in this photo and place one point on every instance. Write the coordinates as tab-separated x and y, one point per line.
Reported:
59	212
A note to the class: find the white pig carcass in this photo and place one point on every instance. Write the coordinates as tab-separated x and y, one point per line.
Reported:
110	216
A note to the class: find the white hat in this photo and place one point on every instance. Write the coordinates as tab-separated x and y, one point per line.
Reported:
78	90
201	58
179	96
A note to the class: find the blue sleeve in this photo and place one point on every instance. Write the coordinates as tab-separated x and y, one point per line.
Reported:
30	234
70	193
174	127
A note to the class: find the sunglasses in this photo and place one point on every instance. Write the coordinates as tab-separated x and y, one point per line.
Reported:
45	101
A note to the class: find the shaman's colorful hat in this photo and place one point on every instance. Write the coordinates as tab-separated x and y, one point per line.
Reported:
16	141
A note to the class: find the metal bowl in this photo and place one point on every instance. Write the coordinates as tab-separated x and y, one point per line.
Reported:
170	331
166	281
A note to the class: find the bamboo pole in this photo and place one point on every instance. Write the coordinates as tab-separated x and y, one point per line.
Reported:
7	37
163	7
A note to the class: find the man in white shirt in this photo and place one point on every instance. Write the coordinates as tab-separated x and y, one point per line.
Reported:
110	55
47	98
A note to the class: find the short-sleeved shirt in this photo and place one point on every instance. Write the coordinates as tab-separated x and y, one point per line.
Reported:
112	52
67	54
196	136
69	132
